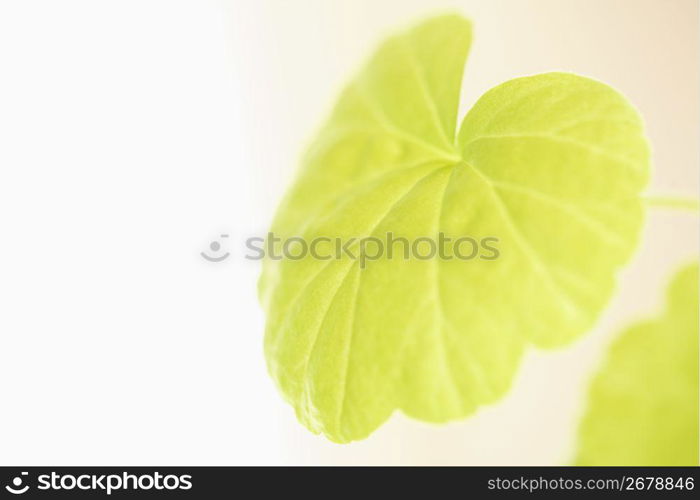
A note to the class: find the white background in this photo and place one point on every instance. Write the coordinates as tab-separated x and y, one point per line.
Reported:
133	133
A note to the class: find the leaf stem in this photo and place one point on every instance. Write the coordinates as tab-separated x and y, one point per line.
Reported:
673	202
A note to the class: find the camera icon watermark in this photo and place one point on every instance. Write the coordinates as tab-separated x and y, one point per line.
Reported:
16	488
217	251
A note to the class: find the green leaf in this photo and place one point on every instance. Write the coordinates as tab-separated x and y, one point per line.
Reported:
551	165
643	403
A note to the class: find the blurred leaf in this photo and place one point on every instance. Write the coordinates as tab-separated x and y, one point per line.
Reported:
551	165
643	404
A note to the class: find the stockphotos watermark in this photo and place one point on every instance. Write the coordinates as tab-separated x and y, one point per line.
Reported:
103	483
372	248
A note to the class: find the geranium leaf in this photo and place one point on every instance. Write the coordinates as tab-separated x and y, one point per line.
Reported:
550	165
643	403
